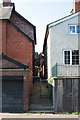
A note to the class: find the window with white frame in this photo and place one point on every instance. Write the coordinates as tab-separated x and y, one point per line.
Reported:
75	57
67	57
78	29
71	57
74	29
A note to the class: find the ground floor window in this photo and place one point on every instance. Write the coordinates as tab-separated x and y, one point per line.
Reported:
71	57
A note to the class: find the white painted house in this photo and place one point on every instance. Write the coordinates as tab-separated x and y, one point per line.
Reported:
62	46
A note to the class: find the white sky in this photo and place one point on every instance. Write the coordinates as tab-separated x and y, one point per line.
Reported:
42	12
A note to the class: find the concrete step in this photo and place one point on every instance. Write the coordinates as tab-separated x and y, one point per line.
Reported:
41	108
42	111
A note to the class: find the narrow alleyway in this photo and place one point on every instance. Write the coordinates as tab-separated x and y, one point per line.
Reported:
41	99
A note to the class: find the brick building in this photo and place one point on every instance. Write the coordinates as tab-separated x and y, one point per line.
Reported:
17	48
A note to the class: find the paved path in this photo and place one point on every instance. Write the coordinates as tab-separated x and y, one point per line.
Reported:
38	116
40	100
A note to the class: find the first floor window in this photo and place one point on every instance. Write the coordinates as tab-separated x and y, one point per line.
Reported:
74	29
75	57
71	57
67	57
78	29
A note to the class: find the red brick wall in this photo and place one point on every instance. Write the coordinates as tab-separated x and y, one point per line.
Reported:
77	6
4	35
27	84
20	48
24	26
27	90
16	45
0	35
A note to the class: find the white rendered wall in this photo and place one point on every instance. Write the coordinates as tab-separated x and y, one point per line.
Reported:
59	40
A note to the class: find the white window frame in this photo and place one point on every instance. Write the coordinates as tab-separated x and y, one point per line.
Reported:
70	57
79	29
75	29
64	57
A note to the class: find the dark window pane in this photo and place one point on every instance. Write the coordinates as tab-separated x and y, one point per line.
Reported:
72	29
78	29
75	57
67	57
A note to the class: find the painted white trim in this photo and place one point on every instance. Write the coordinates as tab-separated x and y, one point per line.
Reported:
70	57
64	57
75	28
64	19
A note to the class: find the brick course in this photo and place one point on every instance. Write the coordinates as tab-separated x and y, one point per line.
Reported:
16	45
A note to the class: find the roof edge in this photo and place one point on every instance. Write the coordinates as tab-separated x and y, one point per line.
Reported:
55	23
20	30
34	27
45	39
24	18
63	19
13	61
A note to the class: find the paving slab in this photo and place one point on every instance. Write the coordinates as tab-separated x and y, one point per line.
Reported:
38	116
